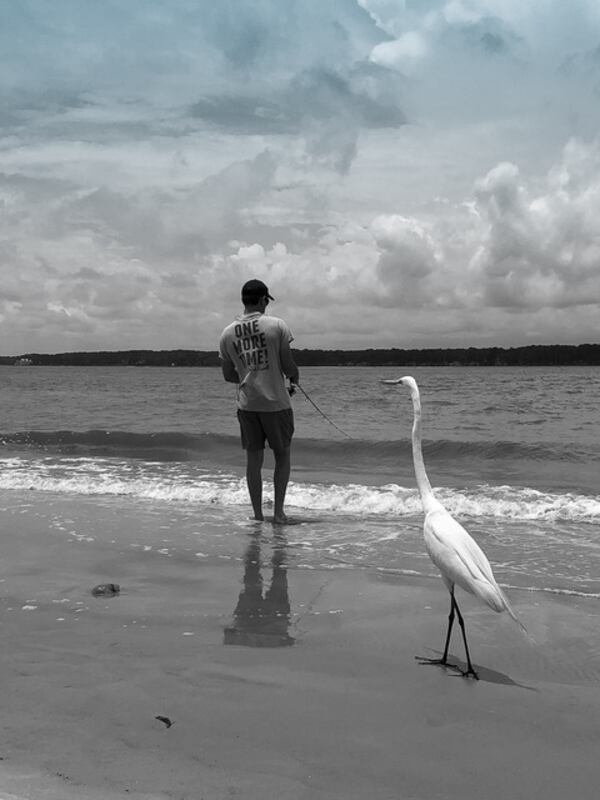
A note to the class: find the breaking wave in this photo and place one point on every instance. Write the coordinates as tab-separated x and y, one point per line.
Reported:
186	482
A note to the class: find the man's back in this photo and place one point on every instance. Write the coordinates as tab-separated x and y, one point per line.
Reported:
258	347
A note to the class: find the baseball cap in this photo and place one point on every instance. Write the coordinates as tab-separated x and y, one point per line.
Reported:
255	289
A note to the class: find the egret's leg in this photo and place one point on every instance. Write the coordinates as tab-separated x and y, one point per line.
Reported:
444	659
461	622
450	624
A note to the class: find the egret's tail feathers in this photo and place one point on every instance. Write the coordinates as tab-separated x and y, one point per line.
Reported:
512	615
496	599
492	595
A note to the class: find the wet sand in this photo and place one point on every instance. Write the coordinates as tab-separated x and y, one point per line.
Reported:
279	683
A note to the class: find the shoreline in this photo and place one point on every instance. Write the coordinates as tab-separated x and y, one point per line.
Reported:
342	711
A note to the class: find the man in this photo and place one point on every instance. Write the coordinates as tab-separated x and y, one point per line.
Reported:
255	354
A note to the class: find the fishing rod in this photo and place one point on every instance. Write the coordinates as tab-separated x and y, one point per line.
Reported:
291	390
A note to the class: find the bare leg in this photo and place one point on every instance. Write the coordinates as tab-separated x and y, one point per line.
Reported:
281	476
254	462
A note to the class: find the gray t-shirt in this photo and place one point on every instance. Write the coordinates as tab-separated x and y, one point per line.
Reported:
257	346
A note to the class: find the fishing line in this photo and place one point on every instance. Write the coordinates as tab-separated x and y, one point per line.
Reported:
322	413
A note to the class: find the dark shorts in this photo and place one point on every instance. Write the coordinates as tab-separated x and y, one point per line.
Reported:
275	427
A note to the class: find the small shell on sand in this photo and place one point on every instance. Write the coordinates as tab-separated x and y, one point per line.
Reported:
106	590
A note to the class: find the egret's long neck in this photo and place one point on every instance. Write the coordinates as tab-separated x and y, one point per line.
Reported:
425	490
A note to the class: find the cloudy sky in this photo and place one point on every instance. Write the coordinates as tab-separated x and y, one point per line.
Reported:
407	173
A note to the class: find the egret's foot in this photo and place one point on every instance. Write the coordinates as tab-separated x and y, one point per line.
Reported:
442	662
257	518
280	519
468	673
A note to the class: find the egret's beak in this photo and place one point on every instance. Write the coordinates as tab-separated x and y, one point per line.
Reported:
390	381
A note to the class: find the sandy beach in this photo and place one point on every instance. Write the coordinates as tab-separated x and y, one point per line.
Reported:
343	710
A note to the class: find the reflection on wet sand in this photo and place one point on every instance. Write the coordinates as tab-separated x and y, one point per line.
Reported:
262	619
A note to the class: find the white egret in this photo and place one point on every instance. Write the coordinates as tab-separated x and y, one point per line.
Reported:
453	551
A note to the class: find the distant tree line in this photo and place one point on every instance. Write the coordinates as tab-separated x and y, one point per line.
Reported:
120	358
528	356
531	355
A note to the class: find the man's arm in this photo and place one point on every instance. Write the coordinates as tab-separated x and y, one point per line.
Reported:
288	365
229	371
227	365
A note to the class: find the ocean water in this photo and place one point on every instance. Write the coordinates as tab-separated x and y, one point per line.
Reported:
514	454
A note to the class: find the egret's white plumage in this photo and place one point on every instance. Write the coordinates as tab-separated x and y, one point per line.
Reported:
454	552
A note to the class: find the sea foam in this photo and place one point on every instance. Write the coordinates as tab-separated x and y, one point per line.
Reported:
189	483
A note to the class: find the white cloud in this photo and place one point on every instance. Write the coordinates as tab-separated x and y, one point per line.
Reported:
542	251
361	157
407	260
462	12
515	246
403	53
